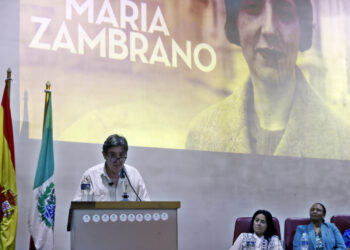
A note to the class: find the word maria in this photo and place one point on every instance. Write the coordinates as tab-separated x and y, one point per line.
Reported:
115	43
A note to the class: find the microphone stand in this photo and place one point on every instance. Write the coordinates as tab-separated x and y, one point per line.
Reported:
125	194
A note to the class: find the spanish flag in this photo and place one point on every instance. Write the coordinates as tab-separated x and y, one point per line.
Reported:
8	188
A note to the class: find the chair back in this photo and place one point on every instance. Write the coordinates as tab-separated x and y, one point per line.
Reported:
342	222
290	226
242	225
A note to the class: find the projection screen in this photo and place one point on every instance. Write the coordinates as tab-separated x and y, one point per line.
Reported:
167	74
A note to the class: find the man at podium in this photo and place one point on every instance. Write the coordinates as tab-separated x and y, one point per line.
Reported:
112	180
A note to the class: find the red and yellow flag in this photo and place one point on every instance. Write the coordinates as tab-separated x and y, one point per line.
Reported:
8	188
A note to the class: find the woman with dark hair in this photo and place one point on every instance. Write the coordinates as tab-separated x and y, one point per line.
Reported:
274	110
262	231
320	234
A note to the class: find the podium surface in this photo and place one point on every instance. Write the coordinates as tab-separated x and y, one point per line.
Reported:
123	225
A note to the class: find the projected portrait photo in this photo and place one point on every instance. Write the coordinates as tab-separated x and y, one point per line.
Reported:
275	111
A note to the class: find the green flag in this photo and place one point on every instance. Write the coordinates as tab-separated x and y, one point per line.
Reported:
42	215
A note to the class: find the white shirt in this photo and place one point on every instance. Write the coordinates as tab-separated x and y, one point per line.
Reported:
273	244
103	189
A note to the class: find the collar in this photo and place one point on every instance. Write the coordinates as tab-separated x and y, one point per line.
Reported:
104	174
260	238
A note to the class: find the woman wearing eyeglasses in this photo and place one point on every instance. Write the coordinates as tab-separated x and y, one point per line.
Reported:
114	180
262	234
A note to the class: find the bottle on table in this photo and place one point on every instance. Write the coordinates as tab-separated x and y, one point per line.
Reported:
86	190
304	242
250	243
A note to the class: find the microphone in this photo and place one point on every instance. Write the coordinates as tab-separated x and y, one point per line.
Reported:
122	173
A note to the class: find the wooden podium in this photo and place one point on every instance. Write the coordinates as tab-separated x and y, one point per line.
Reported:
123	225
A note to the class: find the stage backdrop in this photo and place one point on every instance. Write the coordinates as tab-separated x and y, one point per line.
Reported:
226	117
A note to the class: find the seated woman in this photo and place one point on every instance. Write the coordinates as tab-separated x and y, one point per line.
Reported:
263	232
321	234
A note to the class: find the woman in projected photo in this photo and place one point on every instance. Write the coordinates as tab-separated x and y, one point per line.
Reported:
274	112
262	232
320	234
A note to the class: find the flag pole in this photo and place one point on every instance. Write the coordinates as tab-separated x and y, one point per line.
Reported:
47	94
42	213
8	187
8	82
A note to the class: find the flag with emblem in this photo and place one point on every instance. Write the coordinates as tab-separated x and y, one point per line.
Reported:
8	189
42	214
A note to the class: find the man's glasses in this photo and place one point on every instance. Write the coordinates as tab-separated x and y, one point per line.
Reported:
115	159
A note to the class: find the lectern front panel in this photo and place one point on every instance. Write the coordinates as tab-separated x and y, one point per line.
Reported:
132	229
